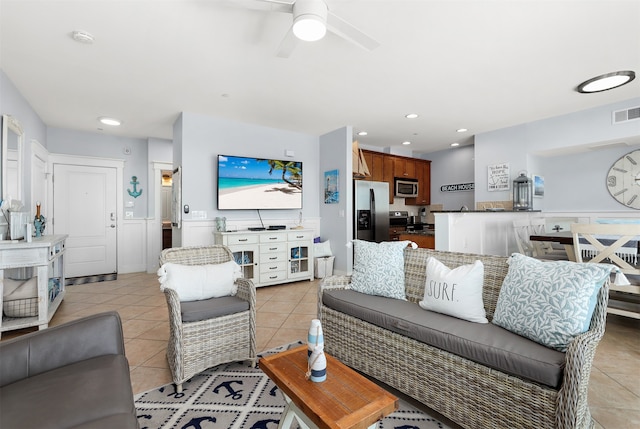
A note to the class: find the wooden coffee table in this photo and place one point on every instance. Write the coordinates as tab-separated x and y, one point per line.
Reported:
345	399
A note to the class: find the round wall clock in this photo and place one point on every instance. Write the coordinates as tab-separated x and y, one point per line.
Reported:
623	180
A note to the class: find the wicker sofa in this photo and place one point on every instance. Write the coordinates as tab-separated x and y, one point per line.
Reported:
469	393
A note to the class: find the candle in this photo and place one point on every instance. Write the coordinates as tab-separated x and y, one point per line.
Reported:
38	209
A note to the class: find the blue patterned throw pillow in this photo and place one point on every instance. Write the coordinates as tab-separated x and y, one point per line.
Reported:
378	268
549	302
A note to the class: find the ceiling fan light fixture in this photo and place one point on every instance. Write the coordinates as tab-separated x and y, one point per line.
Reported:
309	28
309	20
606	81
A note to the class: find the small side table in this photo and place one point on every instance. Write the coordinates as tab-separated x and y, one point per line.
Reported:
345	400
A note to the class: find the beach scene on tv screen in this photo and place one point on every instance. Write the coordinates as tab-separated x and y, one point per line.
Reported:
253	183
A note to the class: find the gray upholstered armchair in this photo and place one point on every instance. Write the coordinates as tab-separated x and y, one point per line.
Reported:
71	375
205	333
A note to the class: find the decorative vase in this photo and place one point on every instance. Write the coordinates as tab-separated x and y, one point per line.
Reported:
315	351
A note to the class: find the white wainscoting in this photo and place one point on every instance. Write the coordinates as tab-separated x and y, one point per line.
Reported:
133	255
491	233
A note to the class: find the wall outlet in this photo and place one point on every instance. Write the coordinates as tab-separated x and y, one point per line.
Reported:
128	215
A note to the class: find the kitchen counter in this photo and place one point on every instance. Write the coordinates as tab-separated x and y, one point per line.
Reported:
423	232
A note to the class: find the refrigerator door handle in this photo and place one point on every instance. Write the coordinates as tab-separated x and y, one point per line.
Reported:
372	203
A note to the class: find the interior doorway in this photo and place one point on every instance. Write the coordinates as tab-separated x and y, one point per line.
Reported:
166	181
158	222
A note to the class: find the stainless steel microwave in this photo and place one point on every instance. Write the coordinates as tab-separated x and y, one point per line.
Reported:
405	188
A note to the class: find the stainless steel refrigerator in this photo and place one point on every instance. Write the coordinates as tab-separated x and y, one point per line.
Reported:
371	210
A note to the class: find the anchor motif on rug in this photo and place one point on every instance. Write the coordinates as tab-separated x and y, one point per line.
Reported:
135	193
234	394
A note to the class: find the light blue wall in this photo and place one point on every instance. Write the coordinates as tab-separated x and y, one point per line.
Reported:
573	182
71	142
448	167
336	220
14	104
203	138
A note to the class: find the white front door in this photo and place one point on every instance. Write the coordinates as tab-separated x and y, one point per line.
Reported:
85	209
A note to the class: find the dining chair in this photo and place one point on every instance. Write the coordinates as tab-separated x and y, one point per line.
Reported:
525	228
522	230
615	244
545	249
205	333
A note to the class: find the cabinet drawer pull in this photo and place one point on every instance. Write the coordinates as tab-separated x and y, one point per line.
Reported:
273	258
273	268
273	277
273	238
242	239
299	236
273	248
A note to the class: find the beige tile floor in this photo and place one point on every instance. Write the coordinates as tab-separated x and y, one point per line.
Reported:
284	314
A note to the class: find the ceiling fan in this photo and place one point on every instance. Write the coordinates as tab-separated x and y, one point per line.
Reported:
311	20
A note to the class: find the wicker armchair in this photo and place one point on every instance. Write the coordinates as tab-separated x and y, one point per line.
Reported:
196	346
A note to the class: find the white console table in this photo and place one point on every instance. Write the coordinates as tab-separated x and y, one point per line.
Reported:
46	255
272	256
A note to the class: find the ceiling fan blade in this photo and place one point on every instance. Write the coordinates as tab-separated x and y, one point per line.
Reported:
347	31
279	6
287	45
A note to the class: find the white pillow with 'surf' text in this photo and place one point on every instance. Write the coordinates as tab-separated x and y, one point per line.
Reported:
456	292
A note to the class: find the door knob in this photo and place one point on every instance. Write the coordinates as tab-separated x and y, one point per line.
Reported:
113	226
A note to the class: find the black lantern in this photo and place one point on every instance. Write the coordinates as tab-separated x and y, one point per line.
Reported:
523	193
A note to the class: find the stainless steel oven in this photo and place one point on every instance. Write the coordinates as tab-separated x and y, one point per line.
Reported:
398	221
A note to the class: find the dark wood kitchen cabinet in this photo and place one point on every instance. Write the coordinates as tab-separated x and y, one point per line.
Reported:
404	168
423	174
385	167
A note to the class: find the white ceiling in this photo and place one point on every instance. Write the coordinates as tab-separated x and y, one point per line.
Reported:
481	65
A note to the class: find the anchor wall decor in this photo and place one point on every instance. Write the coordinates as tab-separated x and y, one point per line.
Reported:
135	193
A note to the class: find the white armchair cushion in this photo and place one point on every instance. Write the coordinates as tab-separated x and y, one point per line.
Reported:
197	282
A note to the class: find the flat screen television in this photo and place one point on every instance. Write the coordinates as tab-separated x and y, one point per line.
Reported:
257	183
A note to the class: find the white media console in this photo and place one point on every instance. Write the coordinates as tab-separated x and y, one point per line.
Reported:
272	256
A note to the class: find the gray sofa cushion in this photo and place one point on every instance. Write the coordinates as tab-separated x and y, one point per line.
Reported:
486	344
93	393
193	311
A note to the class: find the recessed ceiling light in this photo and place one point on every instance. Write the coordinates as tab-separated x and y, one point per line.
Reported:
82	37
606	81
362	133
455	144
406	142
109	121
411	115
461	130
